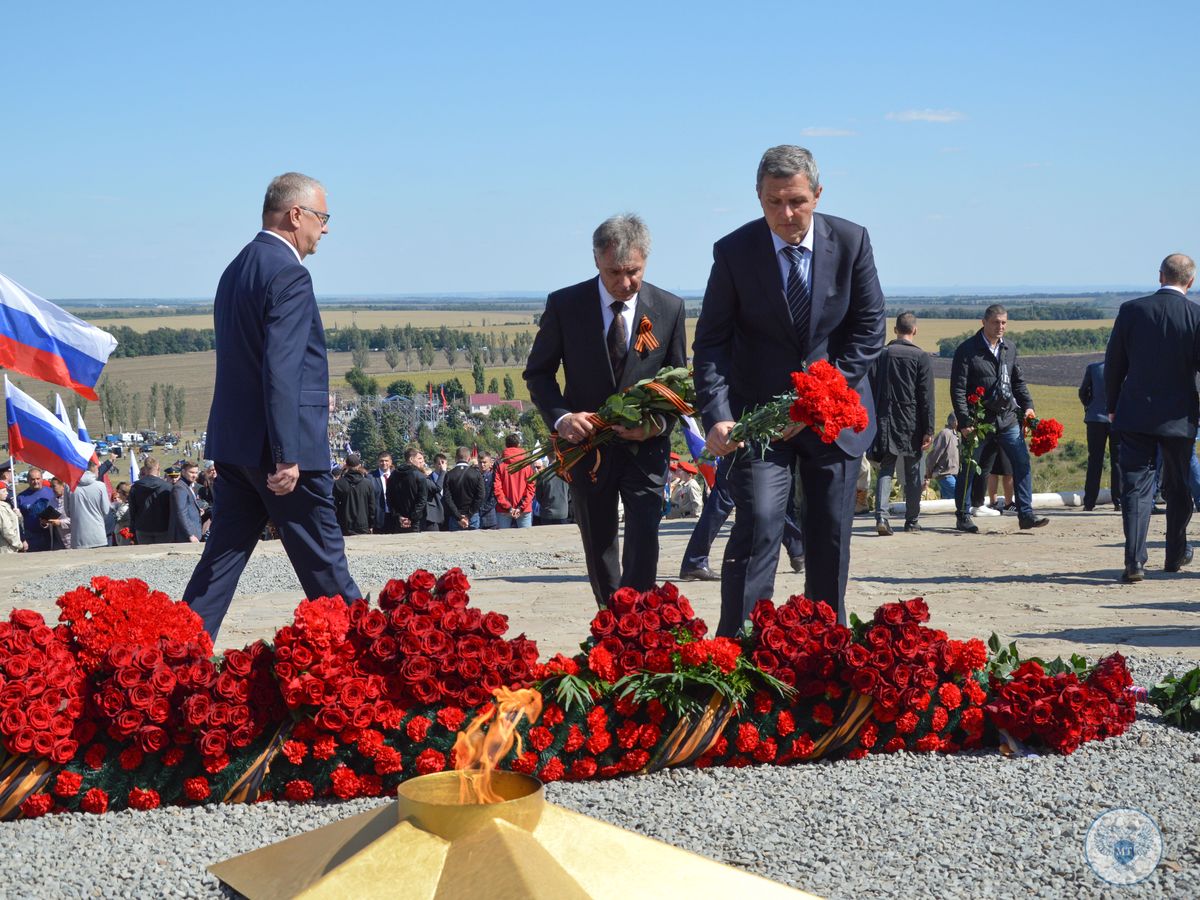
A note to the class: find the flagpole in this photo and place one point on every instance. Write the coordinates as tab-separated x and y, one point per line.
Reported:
12	472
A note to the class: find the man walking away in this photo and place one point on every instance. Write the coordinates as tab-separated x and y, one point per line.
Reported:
1099	434
1150	383
902	382
89	510
150	505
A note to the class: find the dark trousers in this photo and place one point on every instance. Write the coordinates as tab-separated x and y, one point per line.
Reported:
1012	441
307	527
911	465
595	509
716	510
1098	435
761	485
1138	452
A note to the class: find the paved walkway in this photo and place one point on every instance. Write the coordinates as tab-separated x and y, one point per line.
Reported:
1053	589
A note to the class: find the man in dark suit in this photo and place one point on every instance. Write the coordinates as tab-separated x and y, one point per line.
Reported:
379	478
785	290
185	524
590	329
268	430
1150	380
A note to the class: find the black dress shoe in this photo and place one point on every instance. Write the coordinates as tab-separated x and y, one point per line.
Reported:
883	529
1179	563
1034	522
704	573
912	527
967	524
1132	574
797	564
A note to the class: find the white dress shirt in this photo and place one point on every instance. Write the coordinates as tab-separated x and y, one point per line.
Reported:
627	312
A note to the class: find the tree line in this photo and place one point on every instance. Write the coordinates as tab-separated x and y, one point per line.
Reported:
1040	312
125	410
1042	341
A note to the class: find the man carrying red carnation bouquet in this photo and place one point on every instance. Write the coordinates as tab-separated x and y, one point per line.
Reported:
786	290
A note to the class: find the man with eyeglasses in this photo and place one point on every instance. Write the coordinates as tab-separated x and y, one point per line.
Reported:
268	428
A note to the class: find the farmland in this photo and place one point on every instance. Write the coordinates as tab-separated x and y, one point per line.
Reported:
344	317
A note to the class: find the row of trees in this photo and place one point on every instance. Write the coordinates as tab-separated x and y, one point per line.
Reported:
365	385
123	410
161	341
1043	341
1038	312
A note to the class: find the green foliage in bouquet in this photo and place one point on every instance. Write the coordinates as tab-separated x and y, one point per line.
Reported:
1178	699
1004	659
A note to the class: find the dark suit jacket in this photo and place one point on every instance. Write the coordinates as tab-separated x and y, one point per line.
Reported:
378	484
1150	365
185	514
746	348
271	402
571	334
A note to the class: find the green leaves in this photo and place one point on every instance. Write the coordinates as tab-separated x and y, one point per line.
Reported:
1178	699
570	690
1004	659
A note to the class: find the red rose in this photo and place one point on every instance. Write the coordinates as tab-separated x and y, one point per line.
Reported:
864	680
890	614
95	801
94	757
143	799
214	742
151	738
331	719
857	655
629	625
631	661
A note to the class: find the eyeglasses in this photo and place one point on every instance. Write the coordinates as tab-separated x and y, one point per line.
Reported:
323	216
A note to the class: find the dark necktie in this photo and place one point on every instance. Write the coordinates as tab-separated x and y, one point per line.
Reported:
799	295
618	341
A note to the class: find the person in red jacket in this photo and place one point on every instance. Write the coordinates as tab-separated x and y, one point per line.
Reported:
514	490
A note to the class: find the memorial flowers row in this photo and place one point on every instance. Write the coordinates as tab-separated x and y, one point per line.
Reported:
122	704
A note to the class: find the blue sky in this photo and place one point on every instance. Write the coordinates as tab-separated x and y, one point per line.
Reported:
473	147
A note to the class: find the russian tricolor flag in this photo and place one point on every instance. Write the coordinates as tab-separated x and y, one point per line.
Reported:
694	438
39	339
38	437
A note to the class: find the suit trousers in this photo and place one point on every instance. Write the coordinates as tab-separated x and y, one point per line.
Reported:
910	465
1138	462
761	484
1098	435
595	508
307	527
716	510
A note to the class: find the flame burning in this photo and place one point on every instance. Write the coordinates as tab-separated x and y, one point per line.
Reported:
479	749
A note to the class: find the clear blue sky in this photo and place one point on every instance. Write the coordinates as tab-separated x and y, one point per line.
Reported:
473	147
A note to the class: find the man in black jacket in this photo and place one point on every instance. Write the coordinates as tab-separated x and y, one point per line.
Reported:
409	491
986	360
150	505
354	498
462	493
1099	432
487	512
1150	382
902	382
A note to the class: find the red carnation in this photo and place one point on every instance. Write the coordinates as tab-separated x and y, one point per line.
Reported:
430	760
67	784
747	736
298	791
37	805
583	768
451	718
417	728
143	799
823	714
197	789
552	771
95	801
601	662
130	758
345	783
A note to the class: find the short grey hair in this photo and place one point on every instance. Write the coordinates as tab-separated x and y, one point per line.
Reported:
622	234
996	309
785	161
1177	270
288	190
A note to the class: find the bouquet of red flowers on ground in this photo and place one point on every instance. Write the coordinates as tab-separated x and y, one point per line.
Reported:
1043	435
820	398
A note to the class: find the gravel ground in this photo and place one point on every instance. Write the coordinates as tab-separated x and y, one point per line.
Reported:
267	573
910	825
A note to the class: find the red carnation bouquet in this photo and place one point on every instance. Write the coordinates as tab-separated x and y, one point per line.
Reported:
820	398
1043	435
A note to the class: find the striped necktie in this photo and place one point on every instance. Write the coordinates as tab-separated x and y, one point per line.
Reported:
799	295
617	340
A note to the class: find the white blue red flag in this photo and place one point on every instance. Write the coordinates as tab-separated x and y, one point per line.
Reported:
134	473
39	339
60	410
694	438
80	427
36	436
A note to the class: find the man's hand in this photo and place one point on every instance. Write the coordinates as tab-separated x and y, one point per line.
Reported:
925	442
1030	414
193	539
405	522
24	546
576	427
718	442
463	522
515	513
645	431
284	481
